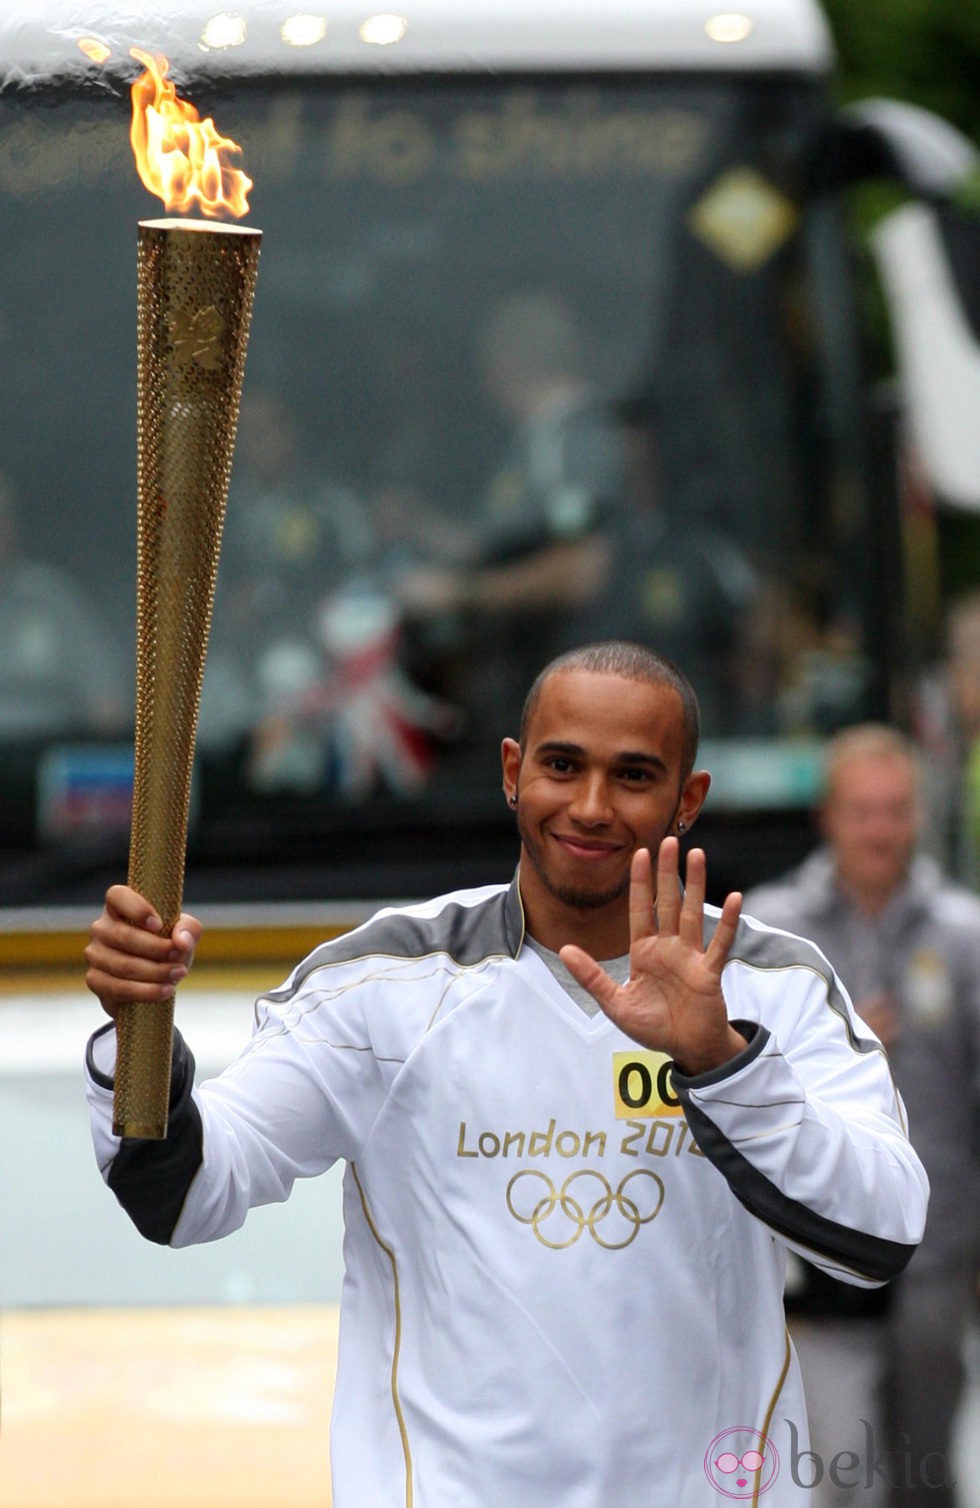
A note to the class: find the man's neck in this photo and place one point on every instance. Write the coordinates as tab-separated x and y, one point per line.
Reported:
553	401
870	901
602	932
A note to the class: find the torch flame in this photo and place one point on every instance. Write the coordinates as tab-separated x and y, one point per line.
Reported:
178	156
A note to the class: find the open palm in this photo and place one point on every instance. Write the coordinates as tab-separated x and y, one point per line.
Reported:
673	1000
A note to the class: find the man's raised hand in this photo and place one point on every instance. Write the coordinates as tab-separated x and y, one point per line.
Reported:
672	1001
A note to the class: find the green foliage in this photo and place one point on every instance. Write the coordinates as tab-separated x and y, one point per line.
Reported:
924	51
967	196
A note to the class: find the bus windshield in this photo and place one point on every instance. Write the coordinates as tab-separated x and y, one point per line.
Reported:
533	361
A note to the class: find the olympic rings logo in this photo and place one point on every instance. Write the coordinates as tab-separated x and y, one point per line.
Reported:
585	1201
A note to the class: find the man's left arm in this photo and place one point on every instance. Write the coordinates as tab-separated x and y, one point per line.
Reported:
807	1126
782	1090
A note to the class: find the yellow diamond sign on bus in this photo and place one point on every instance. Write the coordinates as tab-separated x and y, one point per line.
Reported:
743	219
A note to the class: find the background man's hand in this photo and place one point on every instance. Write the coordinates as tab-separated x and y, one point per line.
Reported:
129	959
881	1014
672	1001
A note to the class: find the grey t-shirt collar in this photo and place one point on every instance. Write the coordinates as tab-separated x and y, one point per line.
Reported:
616	968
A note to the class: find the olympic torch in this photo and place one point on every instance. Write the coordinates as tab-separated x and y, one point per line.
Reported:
195	287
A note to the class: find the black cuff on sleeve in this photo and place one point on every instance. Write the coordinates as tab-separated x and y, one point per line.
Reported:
756	1037
95	1074
151	1179
181	1068
870	1257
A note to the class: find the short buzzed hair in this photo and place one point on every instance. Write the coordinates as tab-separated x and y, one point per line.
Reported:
869	741
634	663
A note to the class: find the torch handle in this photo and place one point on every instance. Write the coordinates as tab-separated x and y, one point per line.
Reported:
196	284
161	805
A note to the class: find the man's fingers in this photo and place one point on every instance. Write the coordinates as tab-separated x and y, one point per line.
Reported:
129	958
122	963
590	975
113	993
132	927
668	886
642	922
717	951
125	904
187	933
691	925
132	942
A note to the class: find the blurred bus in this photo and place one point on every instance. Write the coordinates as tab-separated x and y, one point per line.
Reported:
559	335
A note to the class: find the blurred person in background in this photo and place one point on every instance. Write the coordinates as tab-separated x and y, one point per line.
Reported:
535	550
948	711
60	671
304	663
906	942
291	539
659	578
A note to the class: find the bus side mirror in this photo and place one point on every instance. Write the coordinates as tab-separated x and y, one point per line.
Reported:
934	304
937	350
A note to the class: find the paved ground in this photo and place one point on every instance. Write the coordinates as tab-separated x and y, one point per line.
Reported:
167	1408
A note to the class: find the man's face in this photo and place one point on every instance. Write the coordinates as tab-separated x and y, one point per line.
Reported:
871	819
600	776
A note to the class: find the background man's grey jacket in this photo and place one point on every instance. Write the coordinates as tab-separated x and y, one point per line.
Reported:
924	950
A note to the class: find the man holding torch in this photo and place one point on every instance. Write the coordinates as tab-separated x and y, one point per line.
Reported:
584	1116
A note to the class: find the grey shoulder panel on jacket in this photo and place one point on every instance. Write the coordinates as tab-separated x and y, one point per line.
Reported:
760	945
466	927
765	945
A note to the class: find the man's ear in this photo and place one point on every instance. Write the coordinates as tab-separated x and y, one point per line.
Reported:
510	759
693	794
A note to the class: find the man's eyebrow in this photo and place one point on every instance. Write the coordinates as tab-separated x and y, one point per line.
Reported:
640	756
627	756
555	746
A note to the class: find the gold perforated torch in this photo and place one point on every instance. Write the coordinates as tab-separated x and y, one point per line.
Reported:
195	286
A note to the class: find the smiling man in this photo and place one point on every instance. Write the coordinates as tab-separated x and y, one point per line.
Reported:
597	780
584	1116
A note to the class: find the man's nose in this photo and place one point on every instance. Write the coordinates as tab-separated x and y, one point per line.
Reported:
591	802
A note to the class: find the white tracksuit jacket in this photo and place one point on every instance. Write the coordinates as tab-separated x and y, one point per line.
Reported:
564	1264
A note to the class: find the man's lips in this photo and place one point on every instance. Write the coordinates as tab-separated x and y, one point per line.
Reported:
592	849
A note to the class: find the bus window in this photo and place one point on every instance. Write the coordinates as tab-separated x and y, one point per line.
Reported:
532	361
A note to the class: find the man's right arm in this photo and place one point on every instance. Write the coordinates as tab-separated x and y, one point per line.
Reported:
295	1100
151	1179
130	959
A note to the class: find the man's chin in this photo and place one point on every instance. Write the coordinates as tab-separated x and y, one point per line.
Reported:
592	897
588	900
